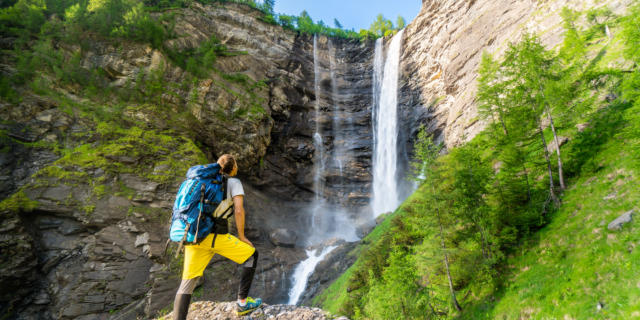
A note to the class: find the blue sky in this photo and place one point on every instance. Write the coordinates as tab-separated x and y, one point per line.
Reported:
357	14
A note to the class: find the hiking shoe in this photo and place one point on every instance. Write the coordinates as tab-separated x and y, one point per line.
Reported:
249	307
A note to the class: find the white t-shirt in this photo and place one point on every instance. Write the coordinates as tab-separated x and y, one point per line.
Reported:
234	188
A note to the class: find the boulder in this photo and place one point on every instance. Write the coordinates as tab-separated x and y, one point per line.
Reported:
283	238
621	220
551	147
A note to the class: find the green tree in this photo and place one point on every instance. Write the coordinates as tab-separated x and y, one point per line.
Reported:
24	15
489	91
530	68
305	23
287	21
337	23
400	23
381	27
268	6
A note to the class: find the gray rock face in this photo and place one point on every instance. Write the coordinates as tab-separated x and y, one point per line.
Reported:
621	220
443	46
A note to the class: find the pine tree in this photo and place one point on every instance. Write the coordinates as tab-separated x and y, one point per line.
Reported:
268	6
337	23
530	67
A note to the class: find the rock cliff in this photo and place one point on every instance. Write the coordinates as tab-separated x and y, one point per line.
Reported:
442	50
84	230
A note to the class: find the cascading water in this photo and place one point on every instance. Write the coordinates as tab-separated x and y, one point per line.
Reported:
318	144
329	220
304	270
385	128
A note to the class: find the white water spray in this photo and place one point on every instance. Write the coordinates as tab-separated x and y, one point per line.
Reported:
318	143
327	220
385	127
304	270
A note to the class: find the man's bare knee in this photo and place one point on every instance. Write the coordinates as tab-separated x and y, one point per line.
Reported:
188	285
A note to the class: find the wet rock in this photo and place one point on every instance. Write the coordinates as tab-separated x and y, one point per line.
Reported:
42	298
621	220
364	229
328	270
57	193
283	238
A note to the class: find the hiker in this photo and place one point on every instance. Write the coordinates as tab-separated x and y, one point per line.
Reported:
240	250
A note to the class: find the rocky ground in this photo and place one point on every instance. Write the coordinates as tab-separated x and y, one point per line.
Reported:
207	310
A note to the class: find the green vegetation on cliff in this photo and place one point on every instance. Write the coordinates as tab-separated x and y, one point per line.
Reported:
144	126
490	233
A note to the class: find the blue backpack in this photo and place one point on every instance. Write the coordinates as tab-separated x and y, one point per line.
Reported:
197	198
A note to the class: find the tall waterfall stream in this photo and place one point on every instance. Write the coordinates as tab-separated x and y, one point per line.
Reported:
330	220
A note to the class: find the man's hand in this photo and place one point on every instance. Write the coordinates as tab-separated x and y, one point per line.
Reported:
245	240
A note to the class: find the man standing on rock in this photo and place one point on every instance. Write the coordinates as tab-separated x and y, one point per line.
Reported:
240	250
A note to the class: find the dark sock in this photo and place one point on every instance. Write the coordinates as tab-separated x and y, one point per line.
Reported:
181	306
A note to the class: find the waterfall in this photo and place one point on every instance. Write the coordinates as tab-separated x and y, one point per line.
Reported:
328	220
318	143
304	270
385	128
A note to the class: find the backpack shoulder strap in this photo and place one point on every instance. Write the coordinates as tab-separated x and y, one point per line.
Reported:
225	182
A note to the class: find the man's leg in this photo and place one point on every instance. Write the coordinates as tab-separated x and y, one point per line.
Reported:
246	277
239	252
196	259
183	298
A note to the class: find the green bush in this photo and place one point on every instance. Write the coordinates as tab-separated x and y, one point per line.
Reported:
24	15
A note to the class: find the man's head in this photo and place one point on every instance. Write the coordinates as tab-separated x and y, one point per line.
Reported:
228	164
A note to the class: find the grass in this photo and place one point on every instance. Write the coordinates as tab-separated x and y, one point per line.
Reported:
575	263
335	297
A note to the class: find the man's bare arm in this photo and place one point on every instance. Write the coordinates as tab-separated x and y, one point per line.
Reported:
239	216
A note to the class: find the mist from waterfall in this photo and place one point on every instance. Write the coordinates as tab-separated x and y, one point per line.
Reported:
318	144
328	219
385	126
331	219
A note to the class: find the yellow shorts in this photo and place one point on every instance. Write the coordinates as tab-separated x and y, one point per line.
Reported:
197	256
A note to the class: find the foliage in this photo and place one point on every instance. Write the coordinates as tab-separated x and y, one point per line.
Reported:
485	205
18	202
382	27
24	15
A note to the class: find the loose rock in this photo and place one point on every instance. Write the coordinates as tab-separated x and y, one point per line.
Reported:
621	220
